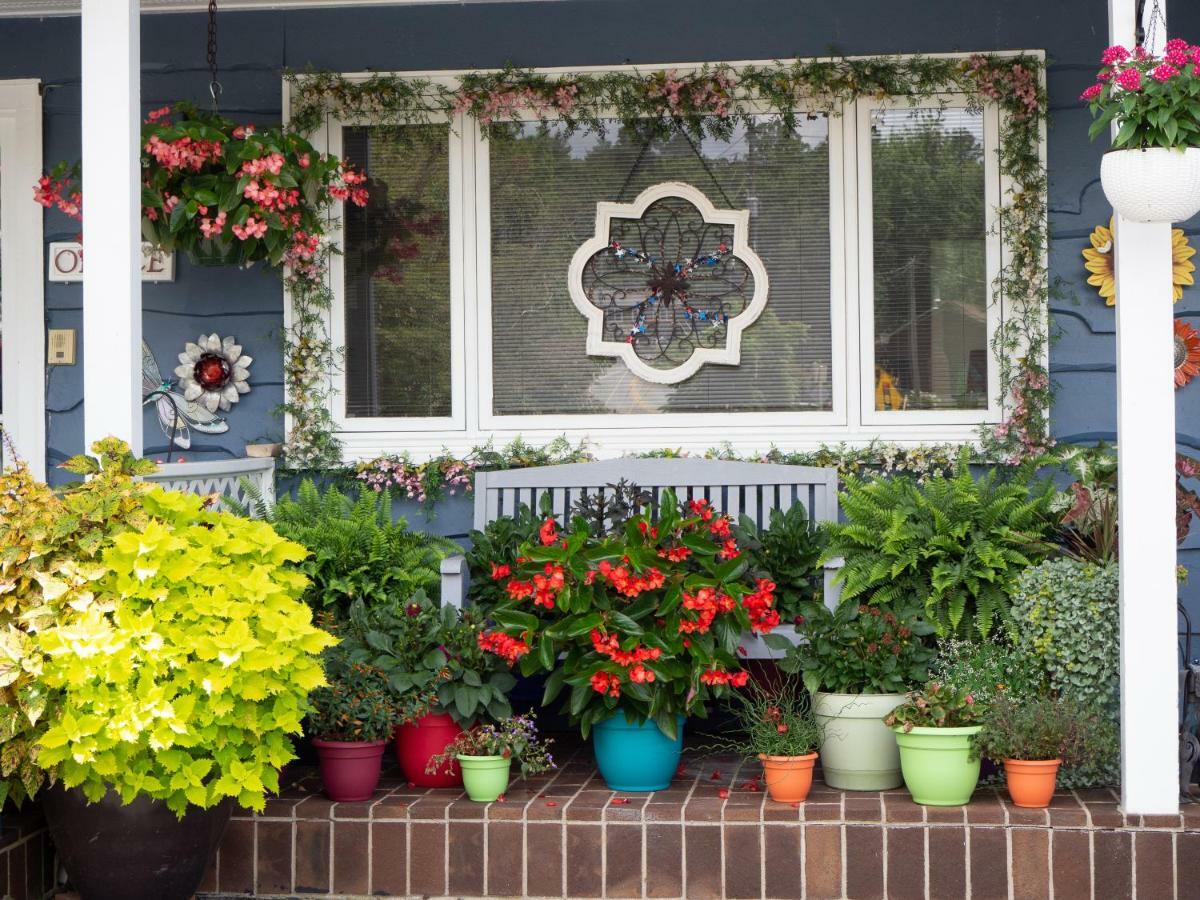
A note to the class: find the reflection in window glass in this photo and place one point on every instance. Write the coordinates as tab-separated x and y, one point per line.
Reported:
930	232
397	300
544	188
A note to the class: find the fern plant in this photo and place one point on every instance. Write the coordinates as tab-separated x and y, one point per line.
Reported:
952	544
357	550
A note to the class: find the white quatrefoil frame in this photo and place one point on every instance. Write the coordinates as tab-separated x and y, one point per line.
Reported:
728	355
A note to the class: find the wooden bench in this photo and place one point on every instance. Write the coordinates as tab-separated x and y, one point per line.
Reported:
736	488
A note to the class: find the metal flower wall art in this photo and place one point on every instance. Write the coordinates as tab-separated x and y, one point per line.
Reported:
176	416
213	372
1100	261
1187	353
668	283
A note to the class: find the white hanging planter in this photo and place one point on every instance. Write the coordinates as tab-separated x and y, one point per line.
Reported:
1155	184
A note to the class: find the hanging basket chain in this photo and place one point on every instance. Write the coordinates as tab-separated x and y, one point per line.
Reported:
214	86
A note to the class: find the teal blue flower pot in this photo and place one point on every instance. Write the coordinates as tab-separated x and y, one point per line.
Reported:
634	757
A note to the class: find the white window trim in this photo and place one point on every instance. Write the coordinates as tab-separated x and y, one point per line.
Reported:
330	137
851	423
23	314
863	210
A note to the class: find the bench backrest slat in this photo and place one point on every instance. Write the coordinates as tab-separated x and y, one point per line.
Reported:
739	488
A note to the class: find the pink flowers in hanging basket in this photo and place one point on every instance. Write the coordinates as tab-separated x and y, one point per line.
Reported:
1150	98
227	193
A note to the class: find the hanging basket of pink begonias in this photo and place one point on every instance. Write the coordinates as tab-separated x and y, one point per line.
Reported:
1152	173
225	193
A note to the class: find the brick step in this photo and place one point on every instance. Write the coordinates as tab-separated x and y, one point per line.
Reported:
711	834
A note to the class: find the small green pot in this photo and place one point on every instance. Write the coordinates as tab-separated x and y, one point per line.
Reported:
484	777
937	765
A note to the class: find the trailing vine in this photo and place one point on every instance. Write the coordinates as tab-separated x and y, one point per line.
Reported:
711	102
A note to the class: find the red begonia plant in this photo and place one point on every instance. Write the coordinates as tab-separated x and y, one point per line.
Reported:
644	619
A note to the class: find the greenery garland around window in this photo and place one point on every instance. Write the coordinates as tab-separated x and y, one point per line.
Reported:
711	102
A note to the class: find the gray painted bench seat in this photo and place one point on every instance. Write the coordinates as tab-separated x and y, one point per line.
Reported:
736	488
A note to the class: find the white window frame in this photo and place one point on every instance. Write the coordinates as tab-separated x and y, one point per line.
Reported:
749	425
852	419
864	209
330	136
23	315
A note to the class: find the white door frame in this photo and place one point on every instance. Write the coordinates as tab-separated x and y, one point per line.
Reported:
22	299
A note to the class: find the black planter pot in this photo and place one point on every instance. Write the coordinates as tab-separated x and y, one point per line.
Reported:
137	852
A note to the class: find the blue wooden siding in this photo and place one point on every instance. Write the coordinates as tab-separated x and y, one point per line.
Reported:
255	46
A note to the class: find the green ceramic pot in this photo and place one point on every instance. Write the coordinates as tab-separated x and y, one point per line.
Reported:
485	777
937	765
858	752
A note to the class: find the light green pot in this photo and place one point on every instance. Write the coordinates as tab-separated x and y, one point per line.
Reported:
485	777
937	765
858	752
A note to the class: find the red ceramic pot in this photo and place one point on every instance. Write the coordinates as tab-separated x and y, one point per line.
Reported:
418	742
349	769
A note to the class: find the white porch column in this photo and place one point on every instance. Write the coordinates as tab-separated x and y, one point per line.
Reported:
1146	456
112	282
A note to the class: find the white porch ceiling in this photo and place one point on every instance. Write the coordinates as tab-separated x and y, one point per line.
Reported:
37	8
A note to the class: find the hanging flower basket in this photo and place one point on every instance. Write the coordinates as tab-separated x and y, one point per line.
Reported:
1152	173
226	194
1153	184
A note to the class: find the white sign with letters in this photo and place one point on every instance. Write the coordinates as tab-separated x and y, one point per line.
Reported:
66	262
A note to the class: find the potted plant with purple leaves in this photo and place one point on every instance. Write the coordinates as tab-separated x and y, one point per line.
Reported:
1152	172
486	754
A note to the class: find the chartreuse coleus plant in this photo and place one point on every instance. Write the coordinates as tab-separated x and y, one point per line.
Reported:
174	654
644	622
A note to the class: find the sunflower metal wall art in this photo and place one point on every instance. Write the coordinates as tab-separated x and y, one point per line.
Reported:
1101	262
1187	353
214	372
668	283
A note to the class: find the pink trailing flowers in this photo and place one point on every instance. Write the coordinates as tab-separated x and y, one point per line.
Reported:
227	193
1151	99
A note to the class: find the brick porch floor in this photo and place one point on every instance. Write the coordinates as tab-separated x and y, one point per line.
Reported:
709	835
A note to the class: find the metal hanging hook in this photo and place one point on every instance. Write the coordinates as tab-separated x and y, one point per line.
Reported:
214	86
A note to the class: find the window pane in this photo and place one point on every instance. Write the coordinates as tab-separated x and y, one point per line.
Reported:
544	188
398	273
931	290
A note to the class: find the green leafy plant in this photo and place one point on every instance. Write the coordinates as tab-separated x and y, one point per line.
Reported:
987	669
1066	618
513	738
646	621
430	657
166	647
955	544
356	704
857	649
936	706
788	552
358	551
1037	728
1152	99
499	540
775	720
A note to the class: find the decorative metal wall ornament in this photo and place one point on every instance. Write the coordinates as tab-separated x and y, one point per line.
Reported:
668	283
1100	261
214	372
1187	353
176	415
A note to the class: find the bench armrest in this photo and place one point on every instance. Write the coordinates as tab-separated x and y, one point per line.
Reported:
833	587
455	580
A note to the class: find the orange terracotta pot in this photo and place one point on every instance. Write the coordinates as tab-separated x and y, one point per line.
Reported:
788	778
1031	781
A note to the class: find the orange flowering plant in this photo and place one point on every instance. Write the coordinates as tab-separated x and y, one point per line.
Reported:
643	616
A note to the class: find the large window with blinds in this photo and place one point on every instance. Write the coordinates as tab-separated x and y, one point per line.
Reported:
876	251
